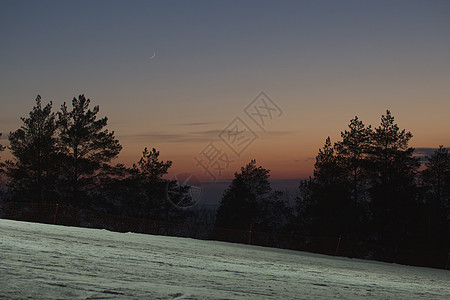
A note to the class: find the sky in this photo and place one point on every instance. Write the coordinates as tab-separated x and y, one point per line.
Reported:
196	79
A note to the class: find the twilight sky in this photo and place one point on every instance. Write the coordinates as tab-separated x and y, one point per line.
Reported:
319	62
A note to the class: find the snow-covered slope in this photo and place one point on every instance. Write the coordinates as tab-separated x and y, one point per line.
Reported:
41	261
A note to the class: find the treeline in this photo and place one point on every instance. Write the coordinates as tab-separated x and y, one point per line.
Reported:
65	157
368	187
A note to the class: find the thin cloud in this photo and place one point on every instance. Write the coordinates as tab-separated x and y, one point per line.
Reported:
308	159
272	134
153	136
188	137
207	133
196	123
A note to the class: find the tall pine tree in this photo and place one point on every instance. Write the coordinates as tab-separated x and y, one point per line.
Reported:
392	171
351	154
86	148
35	167
324	202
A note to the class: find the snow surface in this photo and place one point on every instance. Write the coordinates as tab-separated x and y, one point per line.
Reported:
39	261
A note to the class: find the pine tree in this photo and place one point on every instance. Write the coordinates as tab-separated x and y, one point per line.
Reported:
86	147
274	213
304	218
391	159
35	167
150	168
2	148
437	174
351	154
163	198
436	178
2	165
326	169
324	202
392	174
241	203
149	172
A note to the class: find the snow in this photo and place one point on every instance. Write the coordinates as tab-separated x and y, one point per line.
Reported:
40	261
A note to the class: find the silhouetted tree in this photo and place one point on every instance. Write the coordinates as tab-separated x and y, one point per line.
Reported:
392	174
85	147
303	219
324	203
436	178
437	174
241	203
150	168
367	178
351	154
149	172
34	170
160	194
2	148
274	213
113	191
2	165
327	170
